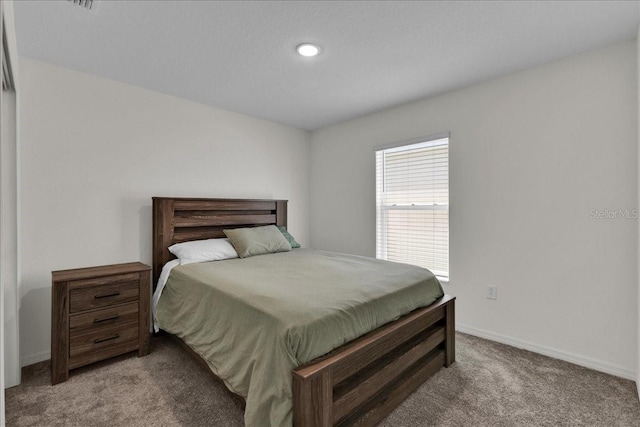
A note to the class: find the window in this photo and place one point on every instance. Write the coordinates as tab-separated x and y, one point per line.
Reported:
412	205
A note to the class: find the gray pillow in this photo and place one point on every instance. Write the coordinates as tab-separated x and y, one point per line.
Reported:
257	240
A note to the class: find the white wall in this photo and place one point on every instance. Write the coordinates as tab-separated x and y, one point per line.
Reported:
94	152
531	154
8	214
8	244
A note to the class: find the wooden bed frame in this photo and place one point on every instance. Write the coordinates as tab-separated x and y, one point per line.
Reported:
356	384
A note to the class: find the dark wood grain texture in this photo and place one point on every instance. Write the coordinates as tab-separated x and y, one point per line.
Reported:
450	343
317	393
356	384
382	375
98	313
91	297
144	311
59	331
105	353
92	320
104	337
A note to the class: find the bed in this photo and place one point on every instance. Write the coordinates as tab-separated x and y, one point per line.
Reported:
357	383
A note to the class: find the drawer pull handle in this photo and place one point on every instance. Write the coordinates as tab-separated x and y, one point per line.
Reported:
117	316
113	294
113	337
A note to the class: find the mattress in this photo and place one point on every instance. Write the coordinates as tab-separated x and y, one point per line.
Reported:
255	319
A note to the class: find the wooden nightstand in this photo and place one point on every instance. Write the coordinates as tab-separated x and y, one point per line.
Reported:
98	313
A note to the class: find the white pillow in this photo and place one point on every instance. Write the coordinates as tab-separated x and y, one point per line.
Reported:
203	251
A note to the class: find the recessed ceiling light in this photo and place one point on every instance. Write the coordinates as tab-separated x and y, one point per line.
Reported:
307	49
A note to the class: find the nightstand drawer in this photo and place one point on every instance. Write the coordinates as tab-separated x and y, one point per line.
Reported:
104	353
83	323
102	296
105	337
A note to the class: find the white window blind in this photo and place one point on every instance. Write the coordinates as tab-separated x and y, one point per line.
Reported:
412	205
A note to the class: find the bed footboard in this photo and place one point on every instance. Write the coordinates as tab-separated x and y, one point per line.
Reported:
359	383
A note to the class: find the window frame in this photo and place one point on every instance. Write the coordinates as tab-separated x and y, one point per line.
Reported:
382	209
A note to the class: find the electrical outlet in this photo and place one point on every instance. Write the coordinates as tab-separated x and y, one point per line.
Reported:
492	292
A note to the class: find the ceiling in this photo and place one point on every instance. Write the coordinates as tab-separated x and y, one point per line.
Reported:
240	55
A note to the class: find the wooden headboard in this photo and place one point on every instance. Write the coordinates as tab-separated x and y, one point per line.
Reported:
178	220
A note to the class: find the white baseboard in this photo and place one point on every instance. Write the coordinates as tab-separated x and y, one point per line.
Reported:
587	362
35	358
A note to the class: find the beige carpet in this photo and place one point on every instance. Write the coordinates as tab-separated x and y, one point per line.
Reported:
490	385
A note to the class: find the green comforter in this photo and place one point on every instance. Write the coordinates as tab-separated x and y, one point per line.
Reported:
255	319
